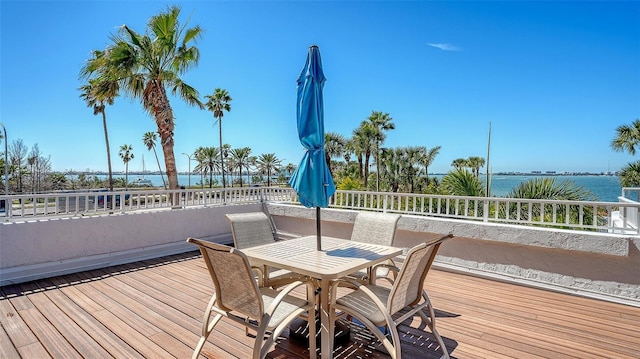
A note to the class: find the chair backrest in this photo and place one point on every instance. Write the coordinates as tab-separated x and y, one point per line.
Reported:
235	287
407	287
374	227
250	229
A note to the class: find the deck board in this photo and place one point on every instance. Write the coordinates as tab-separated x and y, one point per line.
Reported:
154	308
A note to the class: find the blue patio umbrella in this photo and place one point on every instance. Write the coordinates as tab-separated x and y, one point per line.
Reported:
312	179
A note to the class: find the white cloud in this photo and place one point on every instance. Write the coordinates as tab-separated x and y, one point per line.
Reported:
446	47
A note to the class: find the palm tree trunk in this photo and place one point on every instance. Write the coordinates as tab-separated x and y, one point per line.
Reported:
164	120
367	156
224	184
378	167
106	140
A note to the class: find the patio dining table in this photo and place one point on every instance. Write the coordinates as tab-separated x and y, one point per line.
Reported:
338	258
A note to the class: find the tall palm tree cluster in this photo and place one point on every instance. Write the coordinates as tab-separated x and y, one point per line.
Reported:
239	161
473	163
396	169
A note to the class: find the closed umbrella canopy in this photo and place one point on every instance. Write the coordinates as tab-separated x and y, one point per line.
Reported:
312	179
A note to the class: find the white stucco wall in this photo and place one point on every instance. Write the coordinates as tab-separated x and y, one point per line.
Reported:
593	264
46	247
587	263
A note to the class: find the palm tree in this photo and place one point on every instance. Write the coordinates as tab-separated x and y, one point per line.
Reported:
241	158
630	175
427	160
96	93
218	103
334	144
290	168
627	138
413	156
126	153
200	158
549	188
459	164
144	66
207	161
391	165
462	182
381	122
149	140
268	163
364	140
475	163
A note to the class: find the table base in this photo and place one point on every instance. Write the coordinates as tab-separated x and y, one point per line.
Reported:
299	332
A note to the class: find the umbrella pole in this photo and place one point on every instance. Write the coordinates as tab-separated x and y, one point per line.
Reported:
318	234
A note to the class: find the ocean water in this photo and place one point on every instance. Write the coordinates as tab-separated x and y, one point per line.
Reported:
605	188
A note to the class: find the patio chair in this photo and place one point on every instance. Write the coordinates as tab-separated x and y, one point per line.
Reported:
376	306
375	228
237	297
253	229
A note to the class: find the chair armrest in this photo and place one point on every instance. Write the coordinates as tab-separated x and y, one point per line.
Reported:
261	275
343	282
286	290
391	267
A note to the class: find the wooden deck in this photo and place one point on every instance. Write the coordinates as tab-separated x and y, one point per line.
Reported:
153	309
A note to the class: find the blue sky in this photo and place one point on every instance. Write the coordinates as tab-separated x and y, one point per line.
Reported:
554	78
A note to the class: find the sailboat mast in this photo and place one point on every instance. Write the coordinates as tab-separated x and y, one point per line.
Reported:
488	174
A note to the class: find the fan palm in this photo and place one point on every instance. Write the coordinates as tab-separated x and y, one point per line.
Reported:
126	154
207	158
149	140
267	164
241	158
381	122
462	182
627	138
428	159
459	164
218	103
97	93
475	163
145	66
551	189
334	144
630	175
364	140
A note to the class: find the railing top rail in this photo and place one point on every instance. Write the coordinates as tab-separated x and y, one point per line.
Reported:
479	199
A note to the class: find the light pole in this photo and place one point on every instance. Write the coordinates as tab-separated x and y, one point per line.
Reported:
189	157
6	161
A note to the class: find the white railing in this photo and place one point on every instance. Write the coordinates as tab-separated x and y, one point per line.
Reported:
101	202
581	215
629	215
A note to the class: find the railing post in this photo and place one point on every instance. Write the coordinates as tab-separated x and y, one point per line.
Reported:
485	212
385	202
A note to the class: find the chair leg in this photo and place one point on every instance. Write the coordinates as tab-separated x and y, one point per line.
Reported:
312	334
431	322
207	328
